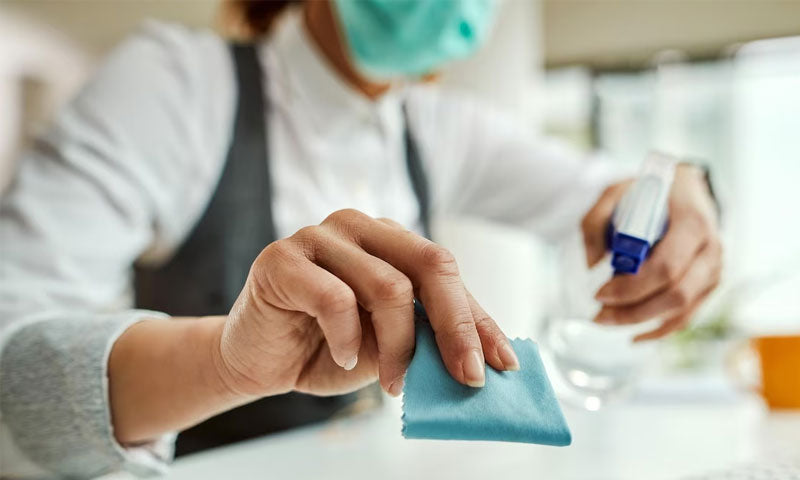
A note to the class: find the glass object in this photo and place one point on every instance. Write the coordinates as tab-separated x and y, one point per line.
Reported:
590	364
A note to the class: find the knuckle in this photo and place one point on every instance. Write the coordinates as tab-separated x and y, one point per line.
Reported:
439	259
343	217
275	257
668	271
461	331
308	231
487	325
336	300
703	226
706	226
277	251
307	235
395	289
680	297
348	222
307	239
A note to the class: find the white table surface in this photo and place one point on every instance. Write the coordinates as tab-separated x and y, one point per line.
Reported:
634	440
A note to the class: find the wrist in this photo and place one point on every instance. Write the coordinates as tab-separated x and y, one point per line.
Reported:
163	377
220	378
227	373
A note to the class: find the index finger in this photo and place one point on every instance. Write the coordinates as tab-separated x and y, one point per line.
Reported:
435	277
669	262
595	222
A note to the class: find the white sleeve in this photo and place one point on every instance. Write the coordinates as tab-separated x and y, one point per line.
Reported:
483	164
128	166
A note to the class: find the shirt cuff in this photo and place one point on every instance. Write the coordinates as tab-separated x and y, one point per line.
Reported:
54	395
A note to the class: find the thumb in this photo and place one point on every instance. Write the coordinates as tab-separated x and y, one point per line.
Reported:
595	222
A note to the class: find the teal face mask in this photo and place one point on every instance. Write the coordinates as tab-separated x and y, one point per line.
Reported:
412	37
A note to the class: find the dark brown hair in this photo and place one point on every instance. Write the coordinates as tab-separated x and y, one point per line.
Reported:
248	19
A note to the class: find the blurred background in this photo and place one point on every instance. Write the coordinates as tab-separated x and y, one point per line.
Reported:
716	81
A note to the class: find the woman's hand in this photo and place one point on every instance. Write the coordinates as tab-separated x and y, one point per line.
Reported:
683	269
330	308
325	311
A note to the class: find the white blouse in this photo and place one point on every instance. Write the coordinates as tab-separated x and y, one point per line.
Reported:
130	165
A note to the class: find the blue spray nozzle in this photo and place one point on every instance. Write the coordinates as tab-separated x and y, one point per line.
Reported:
628	253
640	219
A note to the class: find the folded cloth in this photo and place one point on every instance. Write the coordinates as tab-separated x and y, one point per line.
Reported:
512	407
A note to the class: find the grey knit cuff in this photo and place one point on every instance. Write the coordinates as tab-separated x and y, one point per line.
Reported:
54	395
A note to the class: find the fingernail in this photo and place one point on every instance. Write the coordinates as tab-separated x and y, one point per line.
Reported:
474	373
508	357
351	364
396	388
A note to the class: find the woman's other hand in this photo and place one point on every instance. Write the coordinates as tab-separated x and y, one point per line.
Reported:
683	269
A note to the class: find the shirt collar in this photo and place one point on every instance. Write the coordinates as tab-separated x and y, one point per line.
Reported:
312	84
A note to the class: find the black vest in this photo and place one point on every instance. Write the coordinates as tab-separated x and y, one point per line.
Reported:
208	271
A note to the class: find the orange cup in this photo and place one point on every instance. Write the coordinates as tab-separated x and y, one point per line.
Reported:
769	366
779	358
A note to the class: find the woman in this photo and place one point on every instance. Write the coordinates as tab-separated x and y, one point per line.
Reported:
187	157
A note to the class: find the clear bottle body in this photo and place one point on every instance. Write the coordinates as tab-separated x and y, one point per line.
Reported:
590	364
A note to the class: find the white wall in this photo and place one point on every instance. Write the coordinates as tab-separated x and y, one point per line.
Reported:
618	31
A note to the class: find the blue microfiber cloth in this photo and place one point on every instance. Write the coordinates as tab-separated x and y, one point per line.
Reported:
513	406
